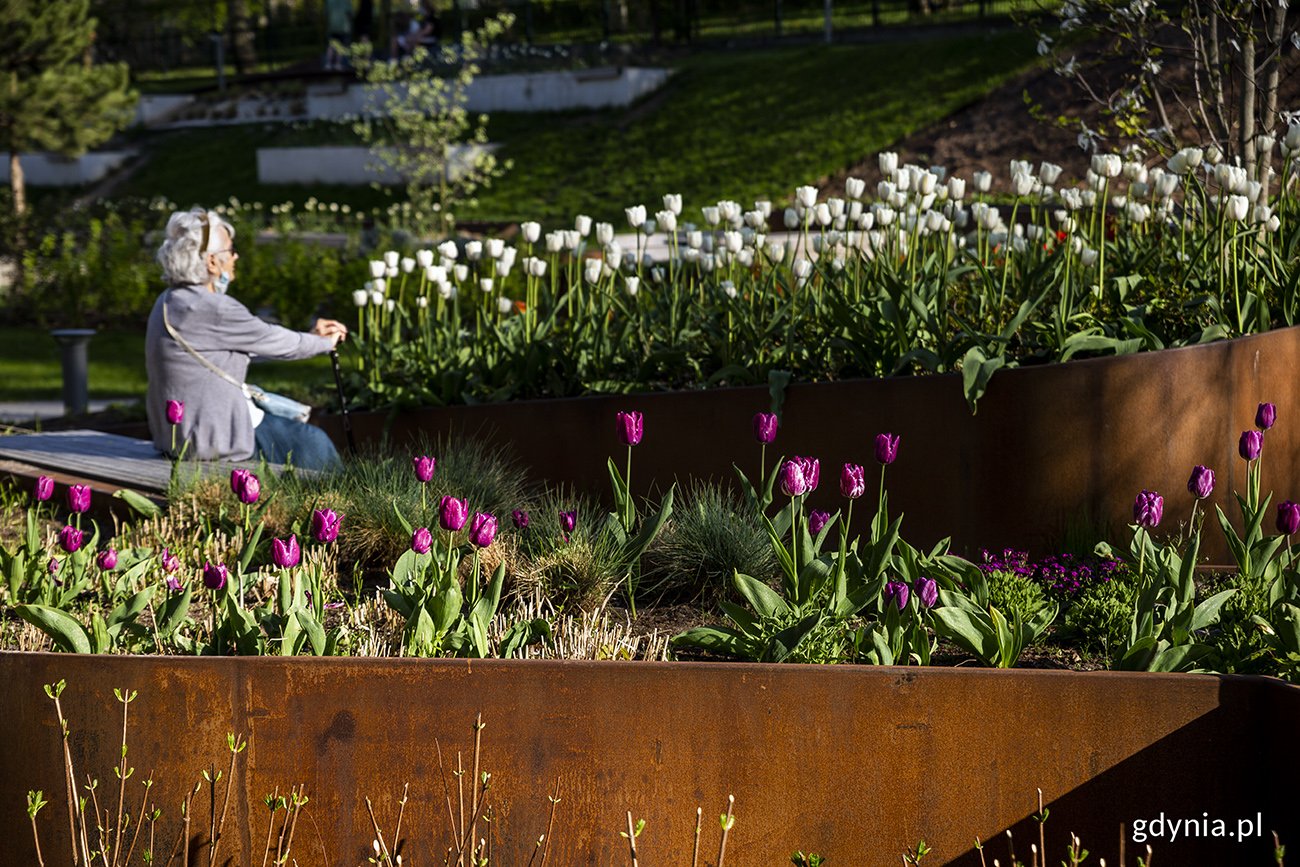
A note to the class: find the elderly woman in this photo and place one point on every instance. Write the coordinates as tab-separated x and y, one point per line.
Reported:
197	350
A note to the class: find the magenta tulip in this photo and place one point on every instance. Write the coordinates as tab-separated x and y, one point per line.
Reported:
175	411
173	583
78	498
817	519
325	525
853	481
886	448
71	539
765	425
630	428
1201	483
482	529
568	521
170	562
454	513
896	592
927	590
520	518
237	477
106	560
285	552
1265	416
44	488
1251	444
793	482
1148	509
215	575
52	567
1288	518
421	540
424	467
250	488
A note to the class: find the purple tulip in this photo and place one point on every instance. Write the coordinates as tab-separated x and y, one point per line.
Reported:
215	575
78	498
521	519
173	583
1251	444
106	560
853	481
44	488
421	540
52	567
927	590
1265	416
568	521
1148	509
175	411
454	513
424	466
71	539
765	425
170	562
886	448
812	472
1288	518
237	477
630	427
482	529
325	525
793	482
817	520
1201	482
285	552
896	592
250	488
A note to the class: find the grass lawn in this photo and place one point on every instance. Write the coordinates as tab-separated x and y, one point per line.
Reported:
729	124
30	369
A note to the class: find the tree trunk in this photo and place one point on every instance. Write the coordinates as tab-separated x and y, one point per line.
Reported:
242	37
17	185
1246	132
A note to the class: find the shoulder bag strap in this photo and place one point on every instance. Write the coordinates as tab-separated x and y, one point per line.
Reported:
242	386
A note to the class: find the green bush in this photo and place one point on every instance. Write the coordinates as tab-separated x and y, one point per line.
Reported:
1015	594
1239	643
1098	619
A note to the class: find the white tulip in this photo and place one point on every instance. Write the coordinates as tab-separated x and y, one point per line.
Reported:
776	251
1049	172
1253	191
493	247
855	211
694	239
1292	140
391	258
729	288
729	211
764	207
1213	155
1165	184
888	163
614	252
572	238
591	269
377	267
1236	208
635	216
1107	165
835	206
447	250
422	302
1262	214
604	233
1138	212
446	290
1178	163
755	219
925	183
535	267
854	188
424	258
791	218
632	285
806	196
667	221
745	258
802	268
390	305
507	260
1264	145
582	224
473	250
1021	184
823	213
379	285
886	189
1088	257
983	181
360	297
711	214
390	273
505	305
1273	224
733	241
408	265
956	188
673	202
530	231
376	297
885	216
460	273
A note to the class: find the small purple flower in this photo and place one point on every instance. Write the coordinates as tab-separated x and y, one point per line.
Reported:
325	525
250	488
1148	509
927	590
421	540
454	513
175	411
896	592
886	448
765	425
173	583
1201	482
170	562
1265	416
424	467
853	481
568	522
215	575
482	529
1251	444
53	567
78	498
521	519
237	477
1288	518
630	427
106	560
817	520
793	482
44	488
285	552
71	539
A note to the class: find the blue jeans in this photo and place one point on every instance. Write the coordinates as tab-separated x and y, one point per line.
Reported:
283	440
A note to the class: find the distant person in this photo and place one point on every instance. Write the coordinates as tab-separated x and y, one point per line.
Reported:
197	348
421	27
338	28
363	23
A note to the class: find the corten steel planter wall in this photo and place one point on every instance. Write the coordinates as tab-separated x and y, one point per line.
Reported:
1055	451
855	763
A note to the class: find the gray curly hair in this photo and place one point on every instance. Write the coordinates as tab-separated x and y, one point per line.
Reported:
180	255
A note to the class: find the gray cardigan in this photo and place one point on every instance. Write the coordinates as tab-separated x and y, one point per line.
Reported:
217	423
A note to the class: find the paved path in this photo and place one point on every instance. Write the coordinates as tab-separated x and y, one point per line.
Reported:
23	411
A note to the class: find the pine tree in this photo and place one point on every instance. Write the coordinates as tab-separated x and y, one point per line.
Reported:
52	97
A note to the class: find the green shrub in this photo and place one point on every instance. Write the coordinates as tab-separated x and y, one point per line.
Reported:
1014	594
576	568
1239	644
1098	619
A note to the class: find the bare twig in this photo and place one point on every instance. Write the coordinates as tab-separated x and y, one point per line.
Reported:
442	773
550	825
631	838
379	835
699	824
727	822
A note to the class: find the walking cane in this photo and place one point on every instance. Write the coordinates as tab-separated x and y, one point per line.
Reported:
343	403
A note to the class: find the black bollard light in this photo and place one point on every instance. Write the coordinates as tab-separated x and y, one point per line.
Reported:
73	343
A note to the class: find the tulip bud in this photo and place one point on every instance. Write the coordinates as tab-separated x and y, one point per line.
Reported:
44	488
886	448
1201	483
568	521
582	225
888	163
793	483
473	250
360	297
106	560
53	568
170	562
632	285
325	525
175	411
408	264
421	540
71	539
673	202
482	529
765	426
453	513
494	247
78	498
1251	444
286	553
377	268
424	467
391	258
927	590
1288	518
630	426
1265	416
249	487
853	482
896	592
1148	508
520	518
817	520
215	575
635	216
424	258
854	188
812	469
